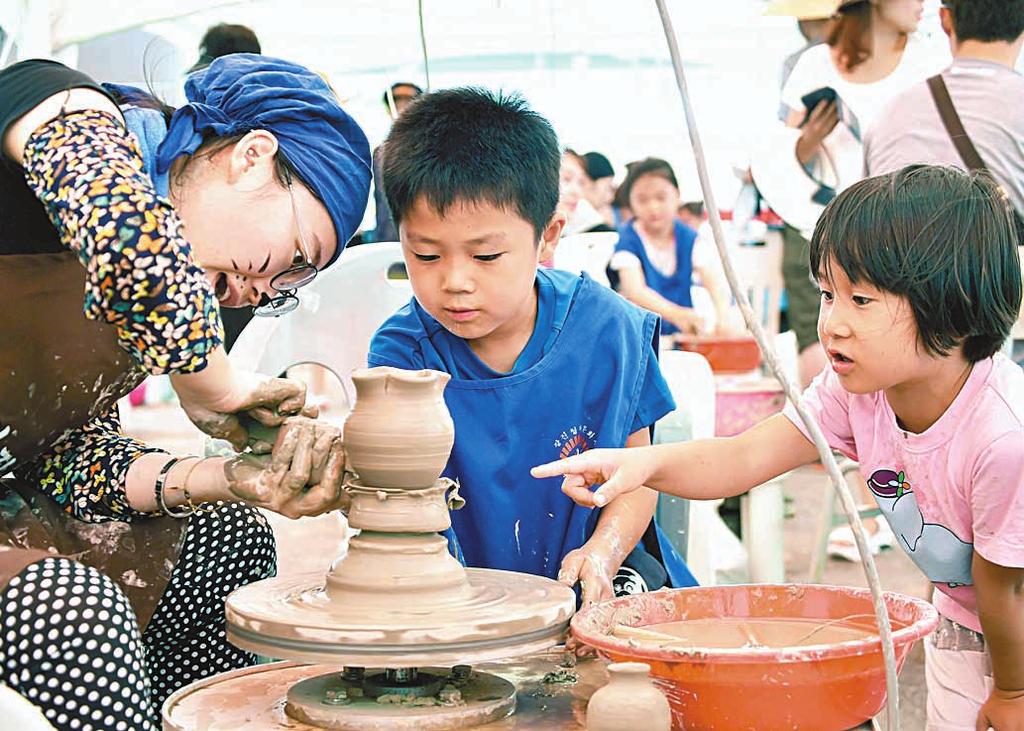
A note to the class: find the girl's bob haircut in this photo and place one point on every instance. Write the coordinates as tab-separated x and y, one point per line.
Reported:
944	239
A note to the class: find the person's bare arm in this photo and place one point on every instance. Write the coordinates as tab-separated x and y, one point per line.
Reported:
633	287
74	100
1000	593
302	476
701	470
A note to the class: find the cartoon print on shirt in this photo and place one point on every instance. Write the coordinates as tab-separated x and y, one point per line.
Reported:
936	550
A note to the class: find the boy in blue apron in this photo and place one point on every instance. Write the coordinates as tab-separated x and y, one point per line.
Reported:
544	363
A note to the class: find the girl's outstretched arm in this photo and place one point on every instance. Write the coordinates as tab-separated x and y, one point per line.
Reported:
700	470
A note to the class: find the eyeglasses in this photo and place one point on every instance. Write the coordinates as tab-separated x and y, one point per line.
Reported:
298	275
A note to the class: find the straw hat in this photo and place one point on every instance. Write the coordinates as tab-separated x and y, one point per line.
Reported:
803	9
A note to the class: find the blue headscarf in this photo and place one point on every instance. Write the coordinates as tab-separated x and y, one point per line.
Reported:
239	93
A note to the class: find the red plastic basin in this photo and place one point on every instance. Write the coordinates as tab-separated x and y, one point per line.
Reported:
822	687
725	354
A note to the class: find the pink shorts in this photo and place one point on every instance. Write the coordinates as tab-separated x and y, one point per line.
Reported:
958	673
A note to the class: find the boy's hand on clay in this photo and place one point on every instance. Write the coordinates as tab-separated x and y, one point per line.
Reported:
589	567
593	571
302	476
618	471
1003	711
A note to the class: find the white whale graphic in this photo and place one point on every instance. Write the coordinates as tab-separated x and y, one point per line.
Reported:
937	551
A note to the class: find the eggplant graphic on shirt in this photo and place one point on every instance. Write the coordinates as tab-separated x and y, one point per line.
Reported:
936	550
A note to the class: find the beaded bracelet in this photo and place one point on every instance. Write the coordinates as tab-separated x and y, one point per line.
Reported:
158	492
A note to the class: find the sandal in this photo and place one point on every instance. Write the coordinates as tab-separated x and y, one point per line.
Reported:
841	543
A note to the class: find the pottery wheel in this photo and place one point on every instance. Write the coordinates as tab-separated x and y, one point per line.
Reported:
332	702
503	614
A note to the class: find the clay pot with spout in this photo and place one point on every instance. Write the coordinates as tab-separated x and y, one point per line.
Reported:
399	434
629	701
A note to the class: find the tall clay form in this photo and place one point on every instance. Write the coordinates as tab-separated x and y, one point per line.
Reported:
399	434
629	702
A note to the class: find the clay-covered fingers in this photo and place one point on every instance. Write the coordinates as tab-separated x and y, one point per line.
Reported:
324	496
301	467
284	394
334	469
303	449
577	649
270	416
323	444
590	571
595	580
569	571
315	500
246	477
218	425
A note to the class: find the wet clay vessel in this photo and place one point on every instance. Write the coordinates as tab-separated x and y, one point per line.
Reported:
629	701
399	434
397	597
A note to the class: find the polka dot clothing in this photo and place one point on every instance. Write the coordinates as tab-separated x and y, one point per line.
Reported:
71	643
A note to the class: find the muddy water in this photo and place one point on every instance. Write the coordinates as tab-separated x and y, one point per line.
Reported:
732	632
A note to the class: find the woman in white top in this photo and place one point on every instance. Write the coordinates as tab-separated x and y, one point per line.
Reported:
869	56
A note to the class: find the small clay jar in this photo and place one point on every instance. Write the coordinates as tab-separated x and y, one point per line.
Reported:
629	702
399	434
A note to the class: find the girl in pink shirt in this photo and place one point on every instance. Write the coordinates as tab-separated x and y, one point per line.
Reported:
920	284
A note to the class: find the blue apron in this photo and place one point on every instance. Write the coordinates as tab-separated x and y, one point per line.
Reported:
565	404
675	288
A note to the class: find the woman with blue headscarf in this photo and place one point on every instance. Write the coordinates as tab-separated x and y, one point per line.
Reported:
146	220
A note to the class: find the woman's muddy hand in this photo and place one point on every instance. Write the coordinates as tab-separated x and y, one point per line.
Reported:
269	401
301	476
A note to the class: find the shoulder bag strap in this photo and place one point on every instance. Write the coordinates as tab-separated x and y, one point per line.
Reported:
955	128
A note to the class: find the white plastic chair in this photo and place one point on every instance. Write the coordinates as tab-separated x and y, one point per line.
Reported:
710	545
336	318
588	252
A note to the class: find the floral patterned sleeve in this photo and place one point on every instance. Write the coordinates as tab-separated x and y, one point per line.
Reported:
85	472
87	170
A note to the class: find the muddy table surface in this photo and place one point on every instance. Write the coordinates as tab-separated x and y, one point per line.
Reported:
253	699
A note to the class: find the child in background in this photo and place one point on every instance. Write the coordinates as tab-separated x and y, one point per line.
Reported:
657	255
580	215
920	283
544	363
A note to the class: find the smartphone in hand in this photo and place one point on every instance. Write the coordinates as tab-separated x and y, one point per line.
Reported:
824	95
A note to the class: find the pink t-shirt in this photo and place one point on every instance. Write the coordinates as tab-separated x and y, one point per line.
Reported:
952	490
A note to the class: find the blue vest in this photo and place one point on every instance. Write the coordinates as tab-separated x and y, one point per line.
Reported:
675	288
565	404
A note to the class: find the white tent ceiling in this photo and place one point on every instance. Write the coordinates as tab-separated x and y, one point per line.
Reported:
598	68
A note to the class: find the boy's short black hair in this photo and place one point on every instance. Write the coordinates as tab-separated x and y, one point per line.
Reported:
987	20
944	239
647	166
471	145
